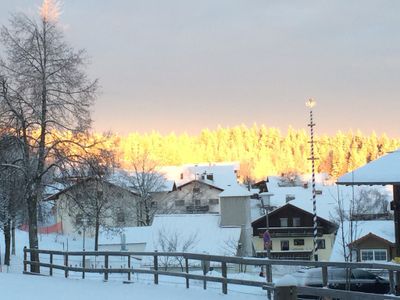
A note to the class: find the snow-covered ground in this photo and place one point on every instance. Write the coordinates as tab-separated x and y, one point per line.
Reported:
93	287
18	286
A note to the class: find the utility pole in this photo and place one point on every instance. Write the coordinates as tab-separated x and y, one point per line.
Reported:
310	104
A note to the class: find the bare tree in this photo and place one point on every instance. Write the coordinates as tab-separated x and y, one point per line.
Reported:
11	195
43	90
172	241
147	181
90	200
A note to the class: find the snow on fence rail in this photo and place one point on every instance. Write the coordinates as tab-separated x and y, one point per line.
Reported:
205	260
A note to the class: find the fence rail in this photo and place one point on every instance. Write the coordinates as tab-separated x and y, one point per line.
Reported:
205	260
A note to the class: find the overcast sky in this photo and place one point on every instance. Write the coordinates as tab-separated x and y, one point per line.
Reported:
182	65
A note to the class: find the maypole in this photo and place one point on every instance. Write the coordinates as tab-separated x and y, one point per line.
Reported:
310	104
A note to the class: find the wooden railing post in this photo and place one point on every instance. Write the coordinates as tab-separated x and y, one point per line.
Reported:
25	259
66	264
204	273
51	265
187	271
129	267
83	265
156	268
324	276
106	267
268	276
224	275
285	293
391	281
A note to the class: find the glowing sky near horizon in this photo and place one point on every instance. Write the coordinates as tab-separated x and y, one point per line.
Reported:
183	65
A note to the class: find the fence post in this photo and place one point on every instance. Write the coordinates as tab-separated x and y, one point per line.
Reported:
187	271
25	259
155	267
268	275
83	265
392	284
285	293
224	275
51	264
66	264
129	267
106	267
204	274
324	276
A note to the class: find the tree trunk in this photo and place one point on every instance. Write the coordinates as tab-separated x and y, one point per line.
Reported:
33	232
13	237
96	235
7	239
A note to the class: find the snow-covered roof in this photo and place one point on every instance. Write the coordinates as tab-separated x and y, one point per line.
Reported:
133	235
224	174
235	191
121	178
326	199
205	229
381	228
384	170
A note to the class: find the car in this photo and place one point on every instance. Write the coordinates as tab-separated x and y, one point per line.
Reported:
360	280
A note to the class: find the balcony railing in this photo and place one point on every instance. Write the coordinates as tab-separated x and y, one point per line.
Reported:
197	208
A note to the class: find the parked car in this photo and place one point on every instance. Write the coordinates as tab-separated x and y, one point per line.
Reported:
360	280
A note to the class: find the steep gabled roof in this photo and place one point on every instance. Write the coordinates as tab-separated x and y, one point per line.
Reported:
384	170
371	235
199	181
289	205
58	194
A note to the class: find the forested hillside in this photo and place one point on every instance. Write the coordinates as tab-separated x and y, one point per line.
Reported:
261	150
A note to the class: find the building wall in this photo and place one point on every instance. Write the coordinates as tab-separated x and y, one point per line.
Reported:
323	254
122	200
185	193
235	211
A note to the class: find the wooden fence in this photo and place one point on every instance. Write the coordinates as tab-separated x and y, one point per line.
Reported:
205	261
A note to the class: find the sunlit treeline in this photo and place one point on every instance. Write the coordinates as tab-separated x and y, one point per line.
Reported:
261	150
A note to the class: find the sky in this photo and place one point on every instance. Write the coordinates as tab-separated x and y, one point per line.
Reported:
183	65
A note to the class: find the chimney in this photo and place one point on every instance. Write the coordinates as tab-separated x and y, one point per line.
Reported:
235	212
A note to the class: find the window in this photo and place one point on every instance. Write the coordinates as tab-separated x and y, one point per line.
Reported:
285	245
298	242
210	177
153	204
197	202
78	220
373	255
296	222
196	190
284	222
179	202
367	255
361	274
213	201
380	255
321	243
120	216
